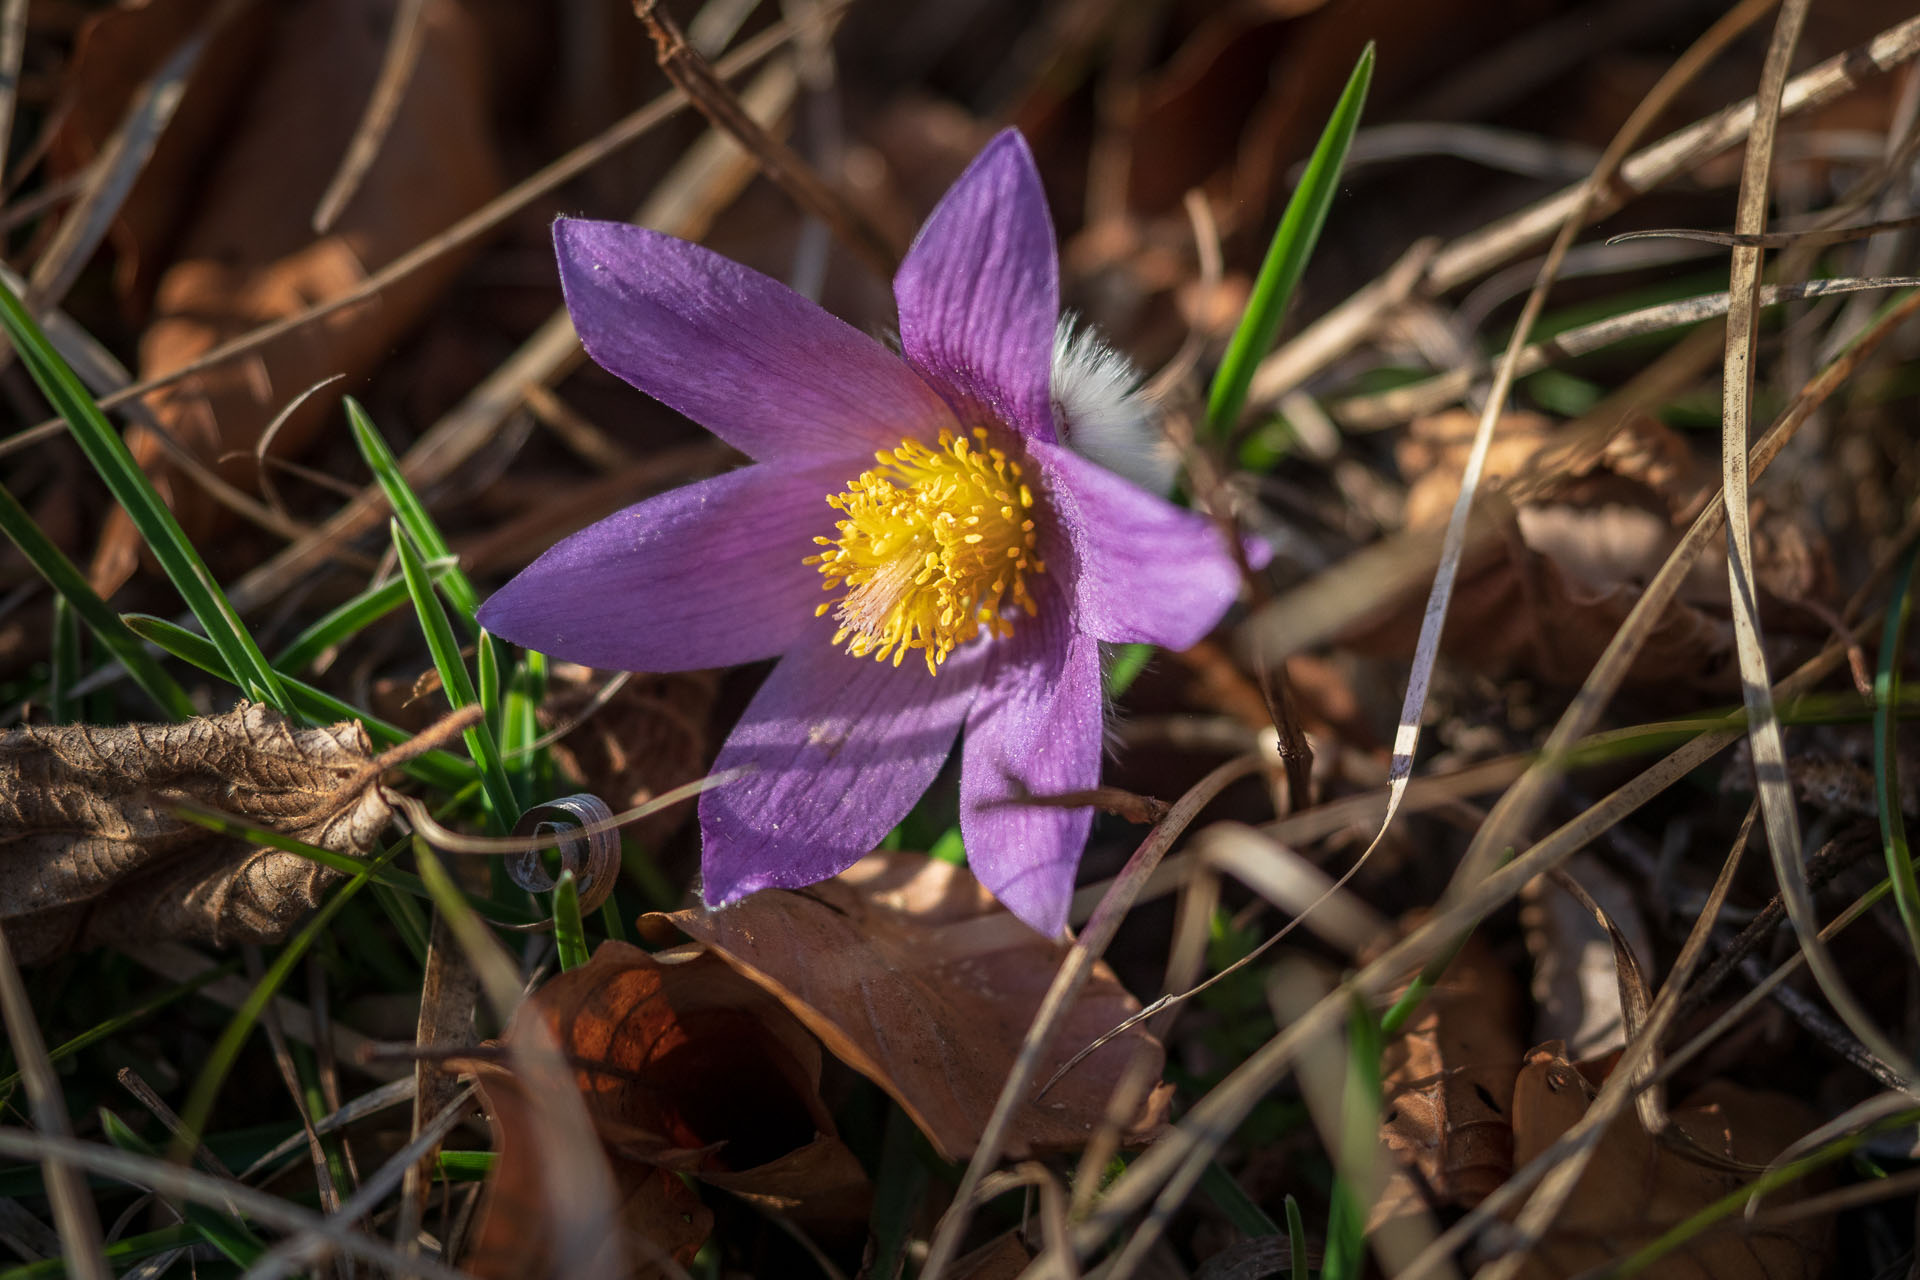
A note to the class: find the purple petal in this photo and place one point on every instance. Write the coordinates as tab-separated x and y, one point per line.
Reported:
1035	730
979	292
742	355
707	575
841	748
1145	570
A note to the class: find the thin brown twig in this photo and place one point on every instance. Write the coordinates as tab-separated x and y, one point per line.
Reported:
783	166
383	107
74	1214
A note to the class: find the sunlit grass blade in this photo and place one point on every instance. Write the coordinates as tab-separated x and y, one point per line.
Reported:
520	727
229	1235
569	933
496	791
409	510
314	706
72	586
1346	1251
136	495
1886	775
486	668
465	1166
1128	661
349	619
1287	255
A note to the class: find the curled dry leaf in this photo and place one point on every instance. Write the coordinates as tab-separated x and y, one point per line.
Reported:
247	255
685	1067
1635	1188
910	973
1586	522
1448	1091
93	855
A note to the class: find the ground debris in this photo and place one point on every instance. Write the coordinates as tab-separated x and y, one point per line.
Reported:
95	853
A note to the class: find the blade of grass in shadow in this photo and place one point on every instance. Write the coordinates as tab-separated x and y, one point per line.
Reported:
72	586
135	493
130	1249
226	1050
121	1021
229	1235
410	511
63	666
496	792
1886	775
569	933
349	619
1287	255
1231	1199
315	706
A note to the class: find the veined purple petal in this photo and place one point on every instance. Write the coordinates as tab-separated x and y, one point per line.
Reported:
841	748
979	292
1035	730
742	355
1145	570
707	575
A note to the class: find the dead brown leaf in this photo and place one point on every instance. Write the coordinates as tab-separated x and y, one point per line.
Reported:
1587	521
685	1067
1448	1091
248	256
1635	1188
911	974
93	854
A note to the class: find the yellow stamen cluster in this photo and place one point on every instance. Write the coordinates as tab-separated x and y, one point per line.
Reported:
936	541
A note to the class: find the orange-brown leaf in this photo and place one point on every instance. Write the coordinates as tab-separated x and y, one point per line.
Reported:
910	973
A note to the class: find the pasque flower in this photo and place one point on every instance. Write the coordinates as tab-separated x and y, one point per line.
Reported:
919	539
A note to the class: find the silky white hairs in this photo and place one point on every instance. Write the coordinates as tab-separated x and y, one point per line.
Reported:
1101	413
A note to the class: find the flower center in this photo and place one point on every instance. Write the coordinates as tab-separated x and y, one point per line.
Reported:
936	541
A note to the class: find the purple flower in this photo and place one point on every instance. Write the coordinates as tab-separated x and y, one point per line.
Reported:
917	540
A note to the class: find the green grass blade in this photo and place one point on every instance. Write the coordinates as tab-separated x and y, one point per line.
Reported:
526	690
314	706
496	790
136	495
1230	1198
569	932
229	1235
1886	776
465	1166
1287	255
64	665
226	1050
1346	1251
127	1250
120	1021
486	665
1129	660
1296	1240
409	510
72	586
350	619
